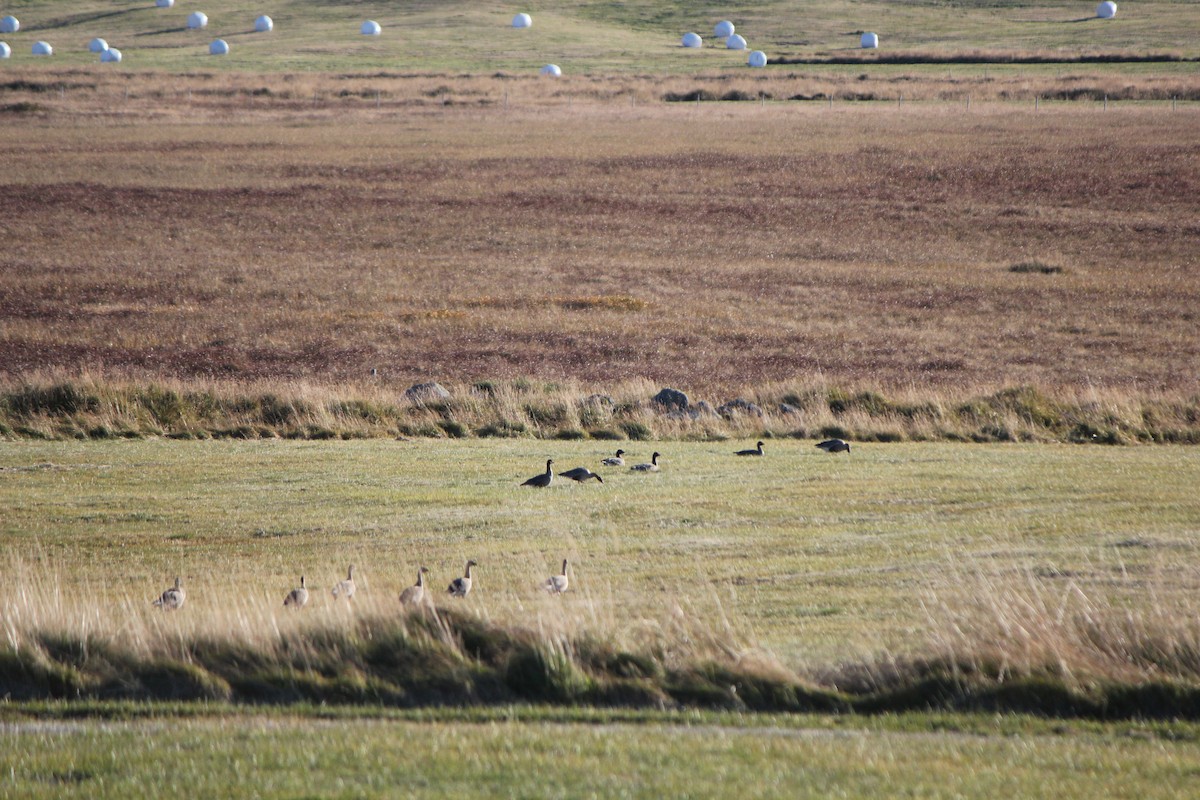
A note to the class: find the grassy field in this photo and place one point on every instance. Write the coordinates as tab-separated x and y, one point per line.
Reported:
817	558
719	249
583	37
660	756
819	566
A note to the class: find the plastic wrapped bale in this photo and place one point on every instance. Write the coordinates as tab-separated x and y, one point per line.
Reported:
869	40
552	70
371	28
522	21
757	59
735	42
197	20
1106	10
723	29
97	45
111	56
10	24
264	24
42	49
5	50
164	3
219	47
692	40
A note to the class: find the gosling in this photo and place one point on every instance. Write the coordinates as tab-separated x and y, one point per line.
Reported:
297	597
172	599
461	587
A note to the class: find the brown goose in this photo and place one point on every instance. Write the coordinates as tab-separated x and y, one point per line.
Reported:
172	598
297	597
580	474
542	480
461	587
651	467
345	588
557	584
834	446
415	595
757	451
615	461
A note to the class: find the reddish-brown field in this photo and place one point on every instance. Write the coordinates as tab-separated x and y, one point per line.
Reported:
709	246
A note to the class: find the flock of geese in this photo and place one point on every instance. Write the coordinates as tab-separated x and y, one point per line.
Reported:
581	474
415	595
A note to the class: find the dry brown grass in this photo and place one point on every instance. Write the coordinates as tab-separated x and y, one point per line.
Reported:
710	246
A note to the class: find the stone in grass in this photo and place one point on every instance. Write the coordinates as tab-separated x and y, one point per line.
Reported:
431	392
787	409
601	400
671	400
739	406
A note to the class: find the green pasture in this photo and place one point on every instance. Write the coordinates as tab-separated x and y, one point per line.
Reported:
815	557
535	755
582	37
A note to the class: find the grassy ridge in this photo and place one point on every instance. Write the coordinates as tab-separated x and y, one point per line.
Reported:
528	409
449	658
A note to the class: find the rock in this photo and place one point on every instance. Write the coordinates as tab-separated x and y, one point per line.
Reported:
602	400
704	409
427	393
671	399
739	406
787	409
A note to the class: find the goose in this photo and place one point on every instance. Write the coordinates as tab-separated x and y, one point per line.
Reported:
834	446
580	474
345	588
757	451
461	587
557	584
544	479
651	467
172	598
615	461
297	597
415	595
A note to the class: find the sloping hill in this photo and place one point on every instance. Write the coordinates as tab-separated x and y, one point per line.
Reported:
640	35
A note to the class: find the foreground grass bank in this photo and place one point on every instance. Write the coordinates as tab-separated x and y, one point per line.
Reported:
654	756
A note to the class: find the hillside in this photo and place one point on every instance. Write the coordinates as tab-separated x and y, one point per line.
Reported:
584	37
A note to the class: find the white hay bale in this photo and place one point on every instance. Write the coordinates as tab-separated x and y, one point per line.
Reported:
164	3
735	42
371	28
219	47
723	29
264	24
197	20
552	70
692	40
97	45
869	41
111	56
522	21
5	50
10	24
1106	10
42	49
758	59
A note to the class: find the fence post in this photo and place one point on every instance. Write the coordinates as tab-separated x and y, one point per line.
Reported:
968	102
1106	102
1036	102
